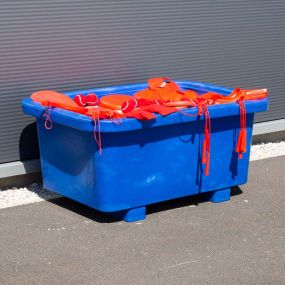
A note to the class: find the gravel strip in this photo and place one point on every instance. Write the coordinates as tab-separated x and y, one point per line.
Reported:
21	196
35	193
267	150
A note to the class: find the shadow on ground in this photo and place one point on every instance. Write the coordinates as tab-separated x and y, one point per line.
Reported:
101	217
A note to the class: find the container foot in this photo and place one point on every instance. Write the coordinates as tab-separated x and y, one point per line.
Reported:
220	195
131	215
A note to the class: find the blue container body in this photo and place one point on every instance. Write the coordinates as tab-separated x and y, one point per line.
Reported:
142	162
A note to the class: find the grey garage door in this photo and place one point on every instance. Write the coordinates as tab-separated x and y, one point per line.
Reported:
68	44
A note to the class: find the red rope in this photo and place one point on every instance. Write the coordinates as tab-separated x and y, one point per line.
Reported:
188	115
95	131
207	140
241	142
48	121
118	120
202	109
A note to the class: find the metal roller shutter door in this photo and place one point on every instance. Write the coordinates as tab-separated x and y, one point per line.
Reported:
68	45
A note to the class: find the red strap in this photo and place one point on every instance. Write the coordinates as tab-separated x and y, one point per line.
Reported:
133	103
241	143
207	140
160	109
140	115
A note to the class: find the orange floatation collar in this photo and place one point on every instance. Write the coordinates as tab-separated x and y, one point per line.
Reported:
54	99
162	96
114	101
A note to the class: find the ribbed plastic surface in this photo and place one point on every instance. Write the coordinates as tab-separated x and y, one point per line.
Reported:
69	45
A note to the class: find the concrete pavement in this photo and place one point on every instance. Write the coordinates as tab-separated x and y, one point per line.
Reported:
186	241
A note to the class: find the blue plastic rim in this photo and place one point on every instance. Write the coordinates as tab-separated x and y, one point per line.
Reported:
142	162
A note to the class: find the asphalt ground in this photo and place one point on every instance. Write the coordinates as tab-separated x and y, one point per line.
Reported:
184	241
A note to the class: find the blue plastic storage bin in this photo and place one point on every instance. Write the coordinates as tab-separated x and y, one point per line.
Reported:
142	162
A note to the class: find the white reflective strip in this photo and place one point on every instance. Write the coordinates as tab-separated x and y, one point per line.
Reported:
135	102
127	105
80	101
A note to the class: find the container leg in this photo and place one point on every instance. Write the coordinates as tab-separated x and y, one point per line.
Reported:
131	215
220	195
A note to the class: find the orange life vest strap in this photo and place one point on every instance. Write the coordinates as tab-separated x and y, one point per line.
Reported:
241	142
207	140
